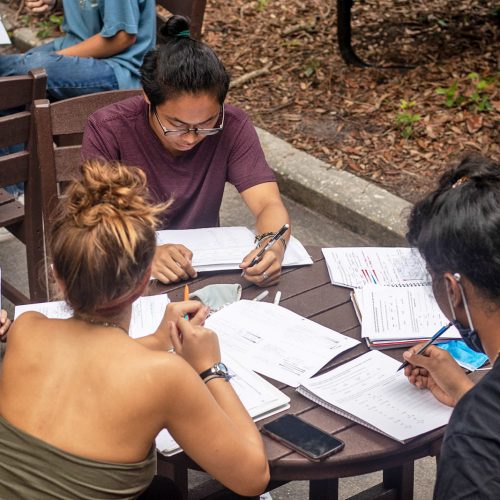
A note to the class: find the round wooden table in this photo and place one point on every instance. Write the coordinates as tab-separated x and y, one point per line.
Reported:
308	291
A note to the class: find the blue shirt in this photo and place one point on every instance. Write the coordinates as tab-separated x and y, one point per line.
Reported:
85	18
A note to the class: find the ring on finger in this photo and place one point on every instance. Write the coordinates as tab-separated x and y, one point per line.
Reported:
265	276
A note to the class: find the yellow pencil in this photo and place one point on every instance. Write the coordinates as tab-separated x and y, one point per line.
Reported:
186	297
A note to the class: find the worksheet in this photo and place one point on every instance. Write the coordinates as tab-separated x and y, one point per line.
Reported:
147	313
370	391
276	342
356	267
223	248
390	313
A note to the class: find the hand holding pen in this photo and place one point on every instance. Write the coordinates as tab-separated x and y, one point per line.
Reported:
262	266
435	370
428	343
269	244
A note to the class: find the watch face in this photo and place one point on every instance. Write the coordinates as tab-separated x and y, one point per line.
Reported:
221	368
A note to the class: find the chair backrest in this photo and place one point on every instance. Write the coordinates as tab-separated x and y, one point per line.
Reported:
17	94
194	9
59	130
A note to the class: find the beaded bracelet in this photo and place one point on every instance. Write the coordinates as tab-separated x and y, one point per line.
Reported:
259	237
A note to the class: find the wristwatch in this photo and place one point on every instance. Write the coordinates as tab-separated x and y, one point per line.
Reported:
219	370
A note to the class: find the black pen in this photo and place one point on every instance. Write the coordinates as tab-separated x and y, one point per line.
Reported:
269	244
429	342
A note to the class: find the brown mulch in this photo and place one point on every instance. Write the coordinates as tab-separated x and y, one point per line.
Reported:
345	115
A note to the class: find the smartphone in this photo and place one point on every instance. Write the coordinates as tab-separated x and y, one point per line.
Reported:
303	437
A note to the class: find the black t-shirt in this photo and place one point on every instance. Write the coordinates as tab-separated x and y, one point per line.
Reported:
469	467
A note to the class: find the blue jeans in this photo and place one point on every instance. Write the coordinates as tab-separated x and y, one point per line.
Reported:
67	76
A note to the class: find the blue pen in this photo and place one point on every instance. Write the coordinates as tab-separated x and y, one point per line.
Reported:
428	343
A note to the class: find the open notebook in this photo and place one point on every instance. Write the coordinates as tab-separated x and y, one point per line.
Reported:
223	248
370	391
357	267
398	317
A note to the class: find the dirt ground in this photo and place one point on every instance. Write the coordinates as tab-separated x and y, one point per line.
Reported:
348	116
388	124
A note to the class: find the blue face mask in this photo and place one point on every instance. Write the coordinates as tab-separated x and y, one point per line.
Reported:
468	333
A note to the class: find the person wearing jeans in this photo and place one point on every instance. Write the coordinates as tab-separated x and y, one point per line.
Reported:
102	49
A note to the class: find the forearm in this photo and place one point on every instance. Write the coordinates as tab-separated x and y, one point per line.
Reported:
271	219
230	403
100	47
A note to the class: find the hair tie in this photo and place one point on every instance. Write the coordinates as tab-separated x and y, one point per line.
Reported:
460	182
183	34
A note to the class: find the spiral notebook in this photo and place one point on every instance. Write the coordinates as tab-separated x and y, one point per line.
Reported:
398	317
389	266
371	392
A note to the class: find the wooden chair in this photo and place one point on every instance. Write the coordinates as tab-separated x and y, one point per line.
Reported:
25	222
59	131
193	9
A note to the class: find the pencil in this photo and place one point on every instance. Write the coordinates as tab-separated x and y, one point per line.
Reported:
428	343
186	297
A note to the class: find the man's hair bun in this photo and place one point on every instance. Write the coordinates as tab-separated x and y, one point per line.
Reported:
173	27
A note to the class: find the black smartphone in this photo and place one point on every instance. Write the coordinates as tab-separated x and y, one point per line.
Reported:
303	437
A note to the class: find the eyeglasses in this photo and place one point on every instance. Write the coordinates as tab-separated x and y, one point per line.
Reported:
187	130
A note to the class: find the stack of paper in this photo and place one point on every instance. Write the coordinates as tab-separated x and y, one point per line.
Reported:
223	248
392	294
276	342
370	391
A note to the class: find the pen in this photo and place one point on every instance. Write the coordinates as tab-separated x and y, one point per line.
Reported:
262	295
428	343
269	244
186	297
277	298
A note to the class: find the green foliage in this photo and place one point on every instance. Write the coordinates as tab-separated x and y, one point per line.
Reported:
261	5
472	92
452	95
406	119
311	67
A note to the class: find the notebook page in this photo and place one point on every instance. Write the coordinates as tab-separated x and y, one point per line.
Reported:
276	342
356	267
370	391
400	313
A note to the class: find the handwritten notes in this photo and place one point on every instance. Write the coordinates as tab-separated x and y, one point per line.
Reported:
356	267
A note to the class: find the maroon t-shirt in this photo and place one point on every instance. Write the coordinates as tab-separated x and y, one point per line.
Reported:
195	178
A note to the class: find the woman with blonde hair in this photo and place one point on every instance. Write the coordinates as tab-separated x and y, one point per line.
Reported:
80	401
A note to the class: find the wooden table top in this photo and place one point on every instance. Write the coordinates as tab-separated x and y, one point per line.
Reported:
308	291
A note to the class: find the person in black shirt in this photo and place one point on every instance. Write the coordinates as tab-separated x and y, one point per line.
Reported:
456	228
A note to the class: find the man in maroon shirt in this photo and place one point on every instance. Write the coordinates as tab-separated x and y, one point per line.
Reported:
189	143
